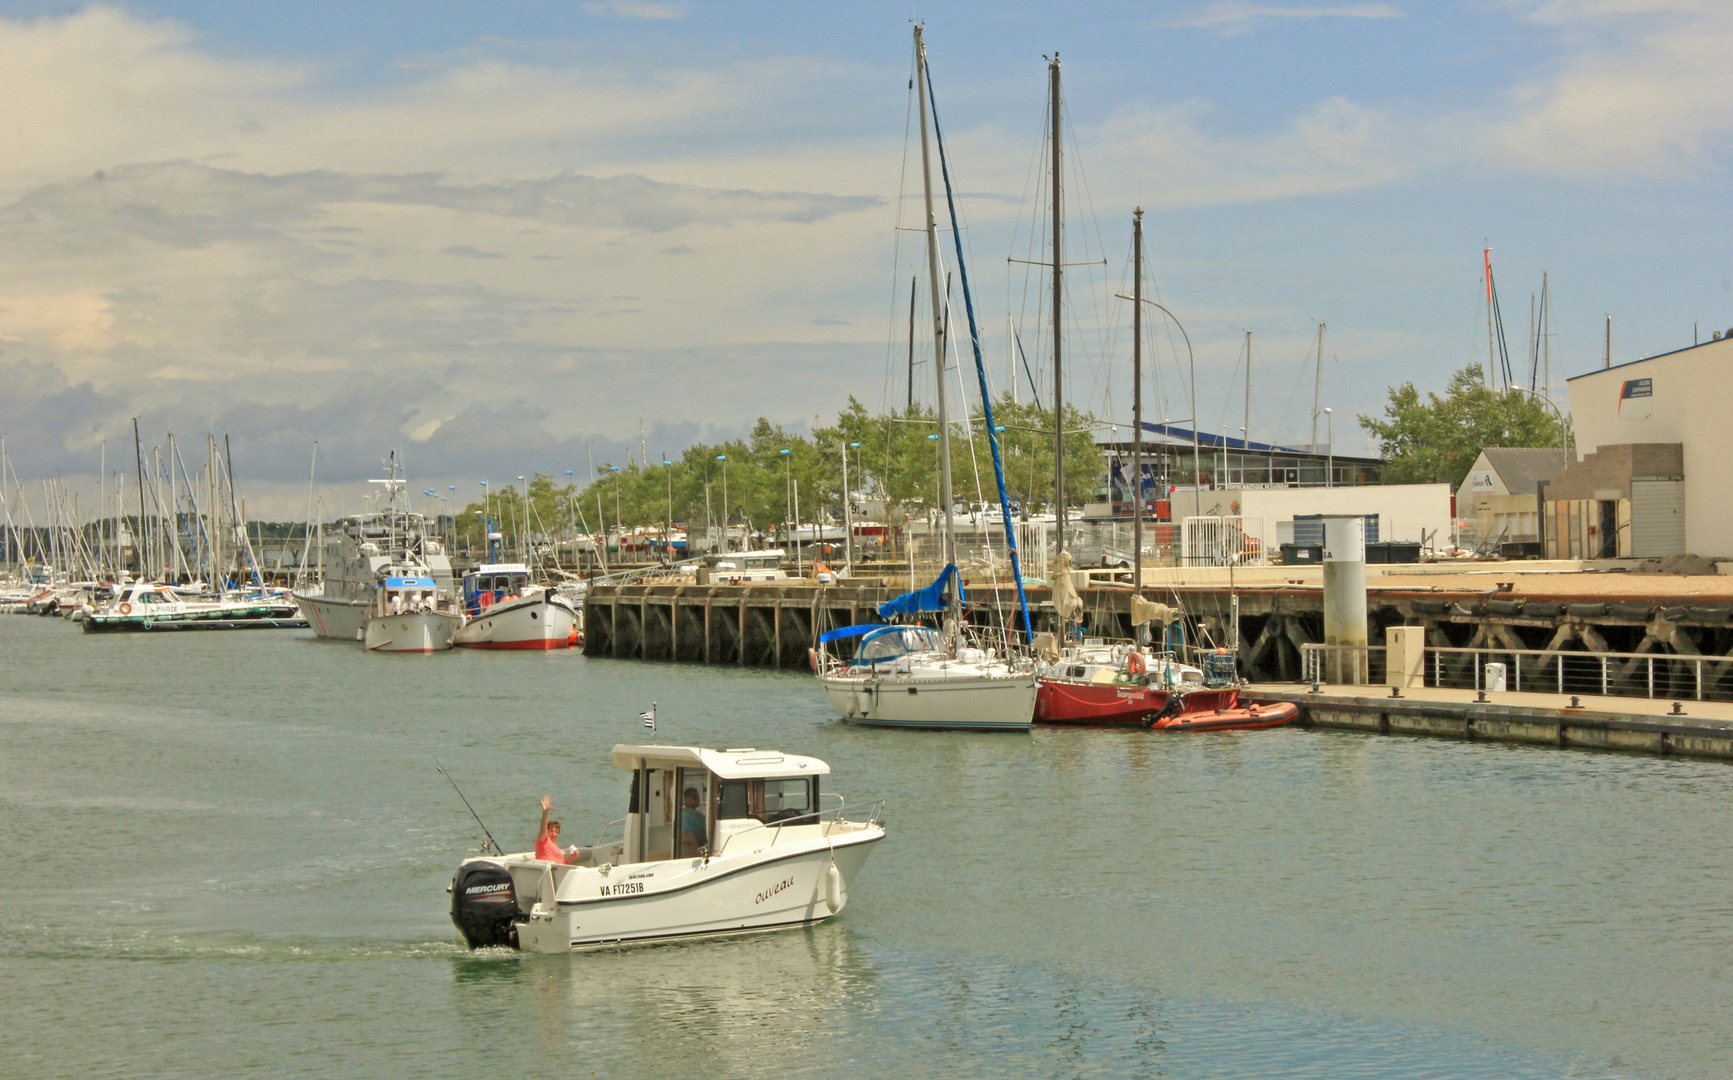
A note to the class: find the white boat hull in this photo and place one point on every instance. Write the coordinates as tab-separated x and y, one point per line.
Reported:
534	622
411	632
687	898
973	702
340	620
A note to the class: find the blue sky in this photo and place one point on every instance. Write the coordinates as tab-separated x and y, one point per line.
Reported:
498	235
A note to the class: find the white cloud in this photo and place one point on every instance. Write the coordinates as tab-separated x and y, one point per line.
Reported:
1237	16
1643	91
1335	146
636	9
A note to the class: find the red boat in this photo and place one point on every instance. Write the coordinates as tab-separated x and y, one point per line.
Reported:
1109	686
1274	714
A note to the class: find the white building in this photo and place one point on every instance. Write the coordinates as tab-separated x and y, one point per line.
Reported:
1672	411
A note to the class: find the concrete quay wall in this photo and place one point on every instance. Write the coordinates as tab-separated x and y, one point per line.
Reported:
1633	725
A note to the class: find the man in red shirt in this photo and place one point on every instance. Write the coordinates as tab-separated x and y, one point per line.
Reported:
548	837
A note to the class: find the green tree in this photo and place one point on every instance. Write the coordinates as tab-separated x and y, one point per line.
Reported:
1436	440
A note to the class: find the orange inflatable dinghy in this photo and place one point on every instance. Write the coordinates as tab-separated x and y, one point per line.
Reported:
1245	717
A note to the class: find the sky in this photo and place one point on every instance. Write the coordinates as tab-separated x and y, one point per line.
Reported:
499	238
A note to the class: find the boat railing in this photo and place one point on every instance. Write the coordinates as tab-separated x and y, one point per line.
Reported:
602	836
827	819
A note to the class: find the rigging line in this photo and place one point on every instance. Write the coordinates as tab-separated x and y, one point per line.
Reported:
981	371
897	247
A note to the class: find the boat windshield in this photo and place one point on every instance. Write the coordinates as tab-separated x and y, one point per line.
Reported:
897	641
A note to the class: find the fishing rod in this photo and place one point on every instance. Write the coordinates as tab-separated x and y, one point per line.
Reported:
497	850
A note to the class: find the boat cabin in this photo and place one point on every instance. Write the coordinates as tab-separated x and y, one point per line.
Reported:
686	801
741	566
400	594
882	646
487	584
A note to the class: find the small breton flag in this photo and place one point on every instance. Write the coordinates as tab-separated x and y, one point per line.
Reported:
649	717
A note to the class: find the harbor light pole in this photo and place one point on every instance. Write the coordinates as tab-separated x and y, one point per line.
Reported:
1330	459
787	491
723	458
847	511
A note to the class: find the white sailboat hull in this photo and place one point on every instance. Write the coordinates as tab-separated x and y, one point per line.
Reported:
978	701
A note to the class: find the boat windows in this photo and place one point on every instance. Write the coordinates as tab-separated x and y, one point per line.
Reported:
786	800
733	801
658	806
694	812
893	643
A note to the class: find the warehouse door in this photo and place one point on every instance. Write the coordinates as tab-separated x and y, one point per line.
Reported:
1657	518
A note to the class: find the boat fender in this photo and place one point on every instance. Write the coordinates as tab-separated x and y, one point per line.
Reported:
812	659
125	608
835	892
1134	664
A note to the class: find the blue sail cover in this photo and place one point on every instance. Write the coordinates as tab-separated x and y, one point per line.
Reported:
931	598
849	631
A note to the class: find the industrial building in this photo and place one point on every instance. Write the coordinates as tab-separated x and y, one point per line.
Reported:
1498	504
1652	479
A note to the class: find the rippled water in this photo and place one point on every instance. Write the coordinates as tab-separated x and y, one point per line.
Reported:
227	854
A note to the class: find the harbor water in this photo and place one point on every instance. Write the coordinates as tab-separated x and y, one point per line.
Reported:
226	854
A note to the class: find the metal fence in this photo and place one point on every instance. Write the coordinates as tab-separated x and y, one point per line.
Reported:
1596	674
1222	541
1352	665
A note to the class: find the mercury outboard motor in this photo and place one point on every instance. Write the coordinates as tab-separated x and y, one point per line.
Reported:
484	904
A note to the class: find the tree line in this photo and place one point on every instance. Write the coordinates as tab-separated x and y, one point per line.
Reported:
893	457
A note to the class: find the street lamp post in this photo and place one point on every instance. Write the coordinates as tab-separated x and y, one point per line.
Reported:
847	512
1196	446
723	458
788	505
668	520
1330	458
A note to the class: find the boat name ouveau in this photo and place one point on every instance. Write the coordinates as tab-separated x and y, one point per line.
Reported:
785	883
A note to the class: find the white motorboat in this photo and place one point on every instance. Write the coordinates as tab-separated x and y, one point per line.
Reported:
716	842
504	611
907	676
143	605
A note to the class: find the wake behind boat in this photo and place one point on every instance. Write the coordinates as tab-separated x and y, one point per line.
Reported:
717	842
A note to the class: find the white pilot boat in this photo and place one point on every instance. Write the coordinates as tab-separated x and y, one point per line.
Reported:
504	611
387	581
717	842
144	605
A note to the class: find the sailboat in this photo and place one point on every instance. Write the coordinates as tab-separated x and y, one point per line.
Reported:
913	675
1096	681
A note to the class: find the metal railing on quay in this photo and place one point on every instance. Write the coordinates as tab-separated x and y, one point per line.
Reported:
1348	665
1674	676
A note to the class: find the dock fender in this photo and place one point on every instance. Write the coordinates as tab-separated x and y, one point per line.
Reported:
812	659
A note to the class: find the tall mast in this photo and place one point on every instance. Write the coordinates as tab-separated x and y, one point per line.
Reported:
911	406
1058	285
1317	388
1491	351
938	318
1137	403
138	535
1246	432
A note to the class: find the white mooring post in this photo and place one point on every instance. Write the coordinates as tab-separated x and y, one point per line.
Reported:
1345	598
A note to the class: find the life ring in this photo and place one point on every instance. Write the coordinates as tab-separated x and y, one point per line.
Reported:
812	659
125	608
1134	663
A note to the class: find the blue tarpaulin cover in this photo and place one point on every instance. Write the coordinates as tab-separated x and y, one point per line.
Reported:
931	598
849	631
